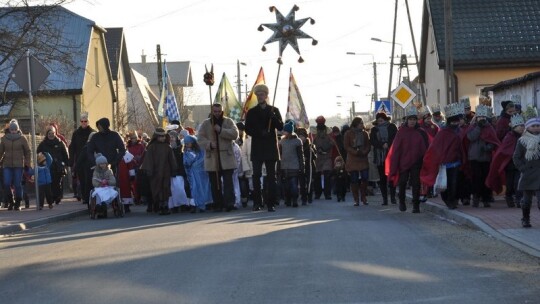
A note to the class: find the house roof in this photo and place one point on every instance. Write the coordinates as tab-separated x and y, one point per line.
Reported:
72	40
487	32
512	82
179	71
116	49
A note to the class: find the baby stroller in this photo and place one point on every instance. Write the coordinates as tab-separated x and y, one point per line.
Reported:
101	198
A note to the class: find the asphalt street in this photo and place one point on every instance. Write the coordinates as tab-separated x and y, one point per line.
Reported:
327	252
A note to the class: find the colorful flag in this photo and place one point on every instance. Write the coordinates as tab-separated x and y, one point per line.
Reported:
232	108
167	101
251	100
295	107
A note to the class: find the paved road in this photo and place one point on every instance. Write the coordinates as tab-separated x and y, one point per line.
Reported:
325	253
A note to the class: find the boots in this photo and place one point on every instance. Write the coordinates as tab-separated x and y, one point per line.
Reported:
354	190
26	200
416	207
509	202
295	202
526	220
9	200
393	195
17	205
363	192
384	193
402	206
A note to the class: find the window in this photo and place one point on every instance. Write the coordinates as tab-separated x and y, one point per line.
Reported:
96	66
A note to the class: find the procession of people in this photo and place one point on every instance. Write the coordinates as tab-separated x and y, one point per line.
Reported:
465	157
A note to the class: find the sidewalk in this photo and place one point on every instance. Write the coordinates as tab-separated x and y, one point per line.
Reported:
15	221
499	221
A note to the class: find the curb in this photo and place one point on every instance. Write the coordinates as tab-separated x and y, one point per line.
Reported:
10	229
477	224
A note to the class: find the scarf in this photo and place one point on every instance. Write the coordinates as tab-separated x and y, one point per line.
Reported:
532	144
358	138
383	132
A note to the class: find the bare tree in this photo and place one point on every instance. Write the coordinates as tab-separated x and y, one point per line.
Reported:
36	26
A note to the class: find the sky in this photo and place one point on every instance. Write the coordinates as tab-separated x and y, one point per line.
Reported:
221	33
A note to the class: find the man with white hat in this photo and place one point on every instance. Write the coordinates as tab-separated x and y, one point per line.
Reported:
262	121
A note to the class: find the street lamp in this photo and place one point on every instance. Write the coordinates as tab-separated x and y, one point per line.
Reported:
384	41
239	84
375	90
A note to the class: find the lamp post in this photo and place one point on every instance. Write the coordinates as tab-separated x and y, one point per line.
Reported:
239	82
375	90
391	60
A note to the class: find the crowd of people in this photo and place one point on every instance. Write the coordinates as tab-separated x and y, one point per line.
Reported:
465	156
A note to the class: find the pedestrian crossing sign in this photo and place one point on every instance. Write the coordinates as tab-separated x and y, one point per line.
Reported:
403	95
383	106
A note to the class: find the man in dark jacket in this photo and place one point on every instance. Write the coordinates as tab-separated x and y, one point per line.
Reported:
382	136
261	124
107	142
78	141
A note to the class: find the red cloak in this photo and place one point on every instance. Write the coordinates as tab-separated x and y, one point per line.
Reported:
503	156
445	148
408	147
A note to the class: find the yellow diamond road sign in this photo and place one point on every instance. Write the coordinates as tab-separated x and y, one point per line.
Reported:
403	95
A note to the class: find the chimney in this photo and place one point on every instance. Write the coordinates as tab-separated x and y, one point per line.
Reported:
143	57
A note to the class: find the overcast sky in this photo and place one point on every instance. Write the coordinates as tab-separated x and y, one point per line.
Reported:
222	32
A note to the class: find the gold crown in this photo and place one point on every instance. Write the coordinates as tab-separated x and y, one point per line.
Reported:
530	112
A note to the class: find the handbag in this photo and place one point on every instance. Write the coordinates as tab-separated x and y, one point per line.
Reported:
441	180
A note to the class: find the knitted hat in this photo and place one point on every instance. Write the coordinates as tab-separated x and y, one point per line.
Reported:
13	125
320	120
288	127
100	159
40	157
261	88
189	139
84	116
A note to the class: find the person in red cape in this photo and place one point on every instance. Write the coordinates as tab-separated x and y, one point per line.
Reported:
446	149
502	170
428	125
480	143
127	172
503	123
405	159
464	183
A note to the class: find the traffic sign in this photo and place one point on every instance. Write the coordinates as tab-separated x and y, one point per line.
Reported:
403	95
38	74
383	106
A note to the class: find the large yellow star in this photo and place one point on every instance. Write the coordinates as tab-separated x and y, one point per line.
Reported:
287	31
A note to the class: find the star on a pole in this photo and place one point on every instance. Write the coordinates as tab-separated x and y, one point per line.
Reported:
287	31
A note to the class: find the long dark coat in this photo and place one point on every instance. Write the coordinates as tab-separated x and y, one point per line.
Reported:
160	165
78	141
264	144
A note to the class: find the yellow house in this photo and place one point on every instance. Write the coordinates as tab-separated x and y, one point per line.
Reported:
492	41
80	80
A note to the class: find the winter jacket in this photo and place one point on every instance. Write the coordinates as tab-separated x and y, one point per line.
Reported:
323	145
44	172
103	174
357	157
292	154
226	137
527	160
78	140
58	151
108	143
14	151
264	143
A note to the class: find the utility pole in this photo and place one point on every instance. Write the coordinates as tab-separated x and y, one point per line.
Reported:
448	52
374	87
159	71
238	84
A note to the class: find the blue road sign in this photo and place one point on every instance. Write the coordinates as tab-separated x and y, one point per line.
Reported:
383	106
